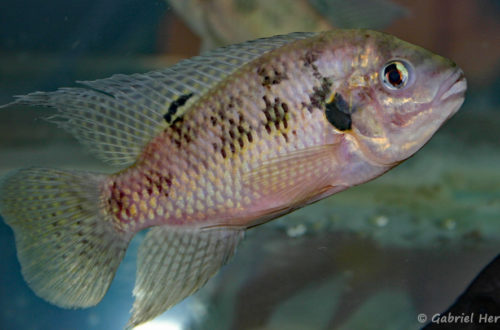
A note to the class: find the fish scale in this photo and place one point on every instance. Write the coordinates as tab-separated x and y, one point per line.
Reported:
213	146
227	113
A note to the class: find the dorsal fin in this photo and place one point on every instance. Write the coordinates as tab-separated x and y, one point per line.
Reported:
117	116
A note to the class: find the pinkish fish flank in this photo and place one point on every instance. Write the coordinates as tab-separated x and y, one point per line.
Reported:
212	146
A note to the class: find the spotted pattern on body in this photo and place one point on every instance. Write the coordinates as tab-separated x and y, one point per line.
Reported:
204	154
272	75
230	139
277	116
140	199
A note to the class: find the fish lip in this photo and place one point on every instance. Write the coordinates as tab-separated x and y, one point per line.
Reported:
454	86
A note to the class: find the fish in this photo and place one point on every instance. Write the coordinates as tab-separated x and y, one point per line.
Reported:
212	146
266	18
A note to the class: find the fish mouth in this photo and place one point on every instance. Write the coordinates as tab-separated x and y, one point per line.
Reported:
452	93
454	87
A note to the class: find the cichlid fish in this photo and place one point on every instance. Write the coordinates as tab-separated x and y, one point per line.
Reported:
212	146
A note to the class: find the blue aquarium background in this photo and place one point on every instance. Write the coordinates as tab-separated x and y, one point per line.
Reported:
373	257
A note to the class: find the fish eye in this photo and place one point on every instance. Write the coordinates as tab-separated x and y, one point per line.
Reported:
395	74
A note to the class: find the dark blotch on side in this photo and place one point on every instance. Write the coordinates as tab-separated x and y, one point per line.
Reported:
233	127
338	114
174	106
159	180
309	59
271	76
319	95
276	116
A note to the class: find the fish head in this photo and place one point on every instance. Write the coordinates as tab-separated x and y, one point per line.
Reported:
398	95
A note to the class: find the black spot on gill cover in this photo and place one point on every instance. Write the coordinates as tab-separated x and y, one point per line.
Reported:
338	114
174	106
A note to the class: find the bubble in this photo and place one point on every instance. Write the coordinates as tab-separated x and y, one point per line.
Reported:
381	221
296	231
449	224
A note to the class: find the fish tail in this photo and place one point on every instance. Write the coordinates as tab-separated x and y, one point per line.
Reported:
68	249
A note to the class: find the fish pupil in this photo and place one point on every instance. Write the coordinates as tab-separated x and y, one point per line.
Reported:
393	75
338	114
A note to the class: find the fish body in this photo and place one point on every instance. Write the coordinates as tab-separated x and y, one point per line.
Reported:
214	167
215	145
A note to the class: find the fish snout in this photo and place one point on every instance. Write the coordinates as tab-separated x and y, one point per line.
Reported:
454	86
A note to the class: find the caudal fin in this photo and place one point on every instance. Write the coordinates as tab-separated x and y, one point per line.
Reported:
68	250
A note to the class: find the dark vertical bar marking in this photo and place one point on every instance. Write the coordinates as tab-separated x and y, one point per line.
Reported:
174	106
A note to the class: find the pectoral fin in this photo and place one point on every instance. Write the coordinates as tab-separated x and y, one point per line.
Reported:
295	176
174	262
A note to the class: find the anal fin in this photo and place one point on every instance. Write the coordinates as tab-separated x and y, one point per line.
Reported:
174	262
